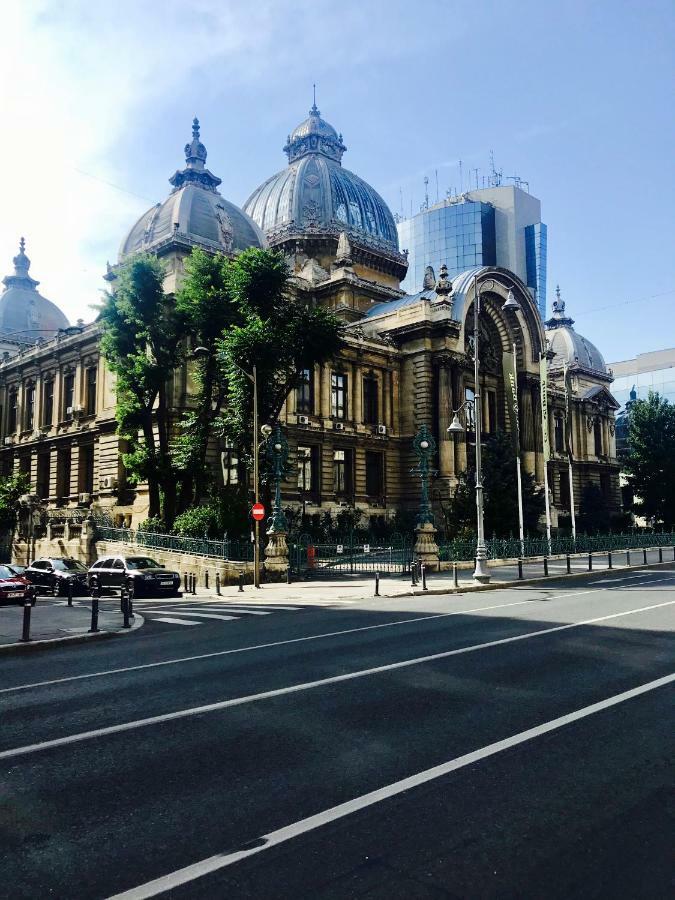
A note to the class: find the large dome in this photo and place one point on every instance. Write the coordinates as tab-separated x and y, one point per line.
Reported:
194	213
570	348
315	196
24	312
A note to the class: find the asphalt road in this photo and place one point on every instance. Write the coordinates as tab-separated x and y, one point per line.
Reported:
512	743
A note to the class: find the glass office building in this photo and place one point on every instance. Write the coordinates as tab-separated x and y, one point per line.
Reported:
461	236
635	378
498	226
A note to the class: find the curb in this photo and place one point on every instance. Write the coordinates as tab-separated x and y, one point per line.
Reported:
48	643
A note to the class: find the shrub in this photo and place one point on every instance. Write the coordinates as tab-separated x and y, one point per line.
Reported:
196	522
154	525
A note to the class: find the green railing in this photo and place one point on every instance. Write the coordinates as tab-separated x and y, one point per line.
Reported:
238	551
509	548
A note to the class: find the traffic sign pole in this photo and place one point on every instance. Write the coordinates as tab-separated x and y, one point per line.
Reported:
256	487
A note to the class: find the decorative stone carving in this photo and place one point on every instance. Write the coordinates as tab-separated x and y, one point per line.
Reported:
426	548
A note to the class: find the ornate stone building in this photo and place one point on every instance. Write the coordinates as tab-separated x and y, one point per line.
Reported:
406	362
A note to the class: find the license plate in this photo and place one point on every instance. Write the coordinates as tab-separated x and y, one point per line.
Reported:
13	594
166	583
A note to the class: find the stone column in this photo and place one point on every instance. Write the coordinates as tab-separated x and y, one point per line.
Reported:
74	471
426	548
357	393
325	375
446	442
527	429
53	473
33	469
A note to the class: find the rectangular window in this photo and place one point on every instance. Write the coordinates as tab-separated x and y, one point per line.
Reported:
86	470
374	474
342	472
304	395
48	403
564	498
30	406
306	473
90	393
43	476
559	434
13	416
605	485
597	435
63	474
492	412
370	398
230	463
469	410
68	396
338	401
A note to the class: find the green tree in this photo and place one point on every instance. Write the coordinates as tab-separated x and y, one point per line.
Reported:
500	488
142	341
277	331
11	488
650	459
594	514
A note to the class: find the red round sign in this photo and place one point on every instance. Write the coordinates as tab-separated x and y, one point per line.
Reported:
258	512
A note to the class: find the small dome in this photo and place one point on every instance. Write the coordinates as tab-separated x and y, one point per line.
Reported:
316	197
24	312
194	213
569	347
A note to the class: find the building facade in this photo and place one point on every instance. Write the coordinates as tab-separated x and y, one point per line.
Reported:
406	362
498	225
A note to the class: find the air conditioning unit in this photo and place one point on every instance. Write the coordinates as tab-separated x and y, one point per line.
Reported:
381	429
338	426
70	410
108	483
8	441
84	498
303	420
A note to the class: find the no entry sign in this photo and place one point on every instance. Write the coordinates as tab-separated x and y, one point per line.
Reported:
258	512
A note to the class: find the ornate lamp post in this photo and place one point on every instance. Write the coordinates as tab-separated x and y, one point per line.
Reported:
426	549
276	551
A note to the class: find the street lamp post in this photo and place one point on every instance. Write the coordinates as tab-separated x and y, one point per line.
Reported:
426	549
276	551
481	572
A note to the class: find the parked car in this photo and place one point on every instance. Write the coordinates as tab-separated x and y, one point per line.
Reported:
146	575
15	588
55	573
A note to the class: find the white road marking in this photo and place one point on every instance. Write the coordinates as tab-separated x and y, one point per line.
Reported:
307	686
198	615
303	826
311	637
174	621
252	647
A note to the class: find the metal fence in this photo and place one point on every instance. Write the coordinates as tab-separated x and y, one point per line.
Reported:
509	548
236	550
353	554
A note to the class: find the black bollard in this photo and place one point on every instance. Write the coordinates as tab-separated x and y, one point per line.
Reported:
185	583
590	562
644	555
25	633
377	584
455	580
546	567
424	578
125	610
218	583
241	582
520	569
628	558
609	559
660	554
130	597
289	574
194	583
69	587
95	591
413	573
567	561
206	579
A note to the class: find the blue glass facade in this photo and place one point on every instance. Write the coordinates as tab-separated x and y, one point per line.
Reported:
535	261
461	235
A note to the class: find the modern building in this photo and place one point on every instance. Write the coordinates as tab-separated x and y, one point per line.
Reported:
635	378
406	360
494	226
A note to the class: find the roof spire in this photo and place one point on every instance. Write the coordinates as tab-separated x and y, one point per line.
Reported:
195	171
21	261
559	319
314	111
195	152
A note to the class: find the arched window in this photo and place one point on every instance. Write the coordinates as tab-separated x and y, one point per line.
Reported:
559	433
597	434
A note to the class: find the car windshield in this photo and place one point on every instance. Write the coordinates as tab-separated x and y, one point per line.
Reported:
6	572
142	562
68	565
17	570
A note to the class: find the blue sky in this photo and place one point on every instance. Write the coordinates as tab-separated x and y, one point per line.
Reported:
575	97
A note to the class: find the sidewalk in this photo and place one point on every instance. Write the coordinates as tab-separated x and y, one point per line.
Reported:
326	590
52	625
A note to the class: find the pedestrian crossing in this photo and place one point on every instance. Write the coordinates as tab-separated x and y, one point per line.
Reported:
194	613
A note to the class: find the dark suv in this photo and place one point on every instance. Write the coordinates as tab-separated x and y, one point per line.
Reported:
146	575
55	573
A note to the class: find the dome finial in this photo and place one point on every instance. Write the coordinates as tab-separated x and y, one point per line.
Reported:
21	261
195	152
559	319
314	111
